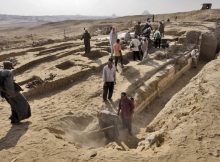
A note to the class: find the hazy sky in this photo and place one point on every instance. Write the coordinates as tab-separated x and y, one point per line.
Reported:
99	7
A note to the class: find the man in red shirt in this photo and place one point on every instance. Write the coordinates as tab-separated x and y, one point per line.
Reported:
118	54
126	110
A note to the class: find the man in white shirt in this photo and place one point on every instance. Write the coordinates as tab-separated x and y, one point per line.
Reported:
134	45
195	56
109	78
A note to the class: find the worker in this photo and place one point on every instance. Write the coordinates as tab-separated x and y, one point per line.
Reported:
134	46
157	38
10	91
109	78
161	28
137	29
118	54
112	39
86	37
126	110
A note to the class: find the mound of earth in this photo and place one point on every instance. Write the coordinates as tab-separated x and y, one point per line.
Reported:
189	124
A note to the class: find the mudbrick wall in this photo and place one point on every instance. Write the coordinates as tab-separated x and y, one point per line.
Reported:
160	82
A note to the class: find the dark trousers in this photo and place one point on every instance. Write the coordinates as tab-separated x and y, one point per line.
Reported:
118	58
157	43
126	122
141	54
108	90
136	54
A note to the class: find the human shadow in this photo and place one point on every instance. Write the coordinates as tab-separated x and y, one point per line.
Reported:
153	64
13	135
98	61
131	74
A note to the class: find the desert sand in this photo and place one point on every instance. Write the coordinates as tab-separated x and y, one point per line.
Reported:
184	114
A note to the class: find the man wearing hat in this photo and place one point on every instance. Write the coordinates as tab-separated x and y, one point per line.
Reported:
11	92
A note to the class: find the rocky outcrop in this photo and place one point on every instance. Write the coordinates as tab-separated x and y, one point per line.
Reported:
217	34
208	47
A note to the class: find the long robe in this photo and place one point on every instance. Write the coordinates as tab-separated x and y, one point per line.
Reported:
11	92
112	39
86	37
161	29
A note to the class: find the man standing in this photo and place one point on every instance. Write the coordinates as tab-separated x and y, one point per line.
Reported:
109	78
127	37
157	38
86	37
138	30
112	39
147	25
144	48
153	18
161	28
147	32
126	110
118	53
11	92
195	56
134	45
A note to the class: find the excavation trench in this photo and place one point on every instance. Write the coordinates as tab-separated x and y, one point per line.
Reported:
45	59
85	131
151	94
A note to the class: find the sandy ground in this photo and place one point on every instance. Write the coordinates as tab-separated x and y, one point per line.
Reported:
64	114
39	139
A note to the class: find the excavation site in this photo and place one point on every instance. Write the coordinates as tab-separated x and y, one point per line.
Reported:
176	99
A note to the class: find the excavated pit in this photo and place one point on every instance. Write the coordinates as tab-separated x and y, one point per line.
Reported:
65	65
103	43
82	130
79	130
44	59
96	54
52	50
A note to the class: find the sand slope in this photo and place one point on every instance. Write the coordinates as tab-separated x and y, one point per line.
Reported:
190	121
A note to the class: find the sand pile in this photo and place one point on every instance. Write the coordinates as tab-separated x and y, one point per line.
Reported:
189	124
